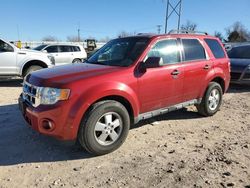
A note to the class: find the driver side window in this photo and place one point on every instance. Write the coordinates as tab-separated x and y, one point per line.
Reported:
4	47
168	50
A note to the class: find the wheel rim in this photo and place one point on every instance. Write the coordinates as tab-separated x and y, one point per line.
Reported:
108	128
76	61
214	99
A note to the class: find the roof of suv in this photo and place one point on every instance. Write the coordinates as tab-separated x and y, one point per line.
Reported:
175	35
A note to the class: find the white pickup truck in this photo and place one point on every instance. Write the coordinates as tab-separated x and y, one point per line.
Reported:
20	62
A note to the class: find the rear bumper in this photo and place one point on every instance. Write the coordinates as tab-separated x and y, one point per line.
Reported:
61	127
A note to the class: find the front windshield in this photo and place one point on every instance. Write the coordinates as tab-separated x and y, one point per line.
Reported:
120	52
40	47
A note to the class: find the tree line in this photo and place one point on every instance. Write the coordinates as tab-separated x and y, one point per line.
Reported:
237	32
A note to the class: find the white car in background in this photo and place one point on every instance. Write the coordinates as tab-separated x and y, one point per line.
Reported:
64	53
21	62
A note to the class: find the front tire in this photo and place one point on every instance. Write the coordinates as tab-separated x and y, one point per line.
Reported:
104	128
32	68
211	101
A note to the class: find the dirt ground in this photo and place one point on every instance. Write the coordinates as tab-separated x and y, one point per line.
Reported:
179	149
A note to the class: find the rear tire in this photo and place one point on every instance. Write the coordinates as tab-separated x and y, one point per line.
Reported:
104	128
211	100
77	61
30	69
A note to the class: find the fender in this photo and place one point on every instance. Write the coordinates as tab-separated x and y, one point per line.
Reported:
93	94
212	74
25	57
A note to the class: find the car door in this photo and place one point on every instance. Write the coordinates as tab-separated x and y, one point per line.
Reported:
196	66
7	59
65	54
162	86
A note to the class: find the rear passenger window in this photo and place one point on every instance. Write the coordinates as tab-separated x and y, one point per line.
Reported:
65	49
76	48
216	48
52	49
193	50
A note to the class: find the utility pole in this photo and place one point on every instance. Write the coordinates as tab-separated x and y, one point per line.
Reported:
159	28
171	8
78	33
78	37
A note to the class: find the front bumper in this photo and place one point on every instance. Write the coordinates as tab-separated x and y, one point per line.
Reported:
61	126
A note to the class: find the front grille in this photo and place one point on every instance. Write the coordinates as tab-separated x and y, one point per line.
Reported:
30	94
235	75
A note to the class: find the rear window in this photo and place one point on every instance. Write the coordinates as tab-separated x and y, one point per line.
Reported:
76	48
216	48
240	52
193	50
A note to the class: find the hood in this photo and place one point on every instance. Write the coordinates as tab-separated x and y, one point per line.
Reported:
66	74
239	64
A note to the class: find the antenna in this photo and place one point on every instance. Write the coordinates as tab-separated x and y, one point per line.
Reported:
174	9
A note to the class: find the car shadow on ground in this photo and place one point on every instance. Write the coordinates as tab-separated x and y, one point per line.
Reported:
181	114
15	82
20	144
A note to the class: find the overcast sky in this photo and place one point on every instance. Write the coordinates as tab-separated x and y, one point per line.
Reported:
34	19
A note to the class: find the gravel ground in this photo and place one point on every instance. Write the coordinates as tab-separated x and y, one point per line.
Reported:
179	149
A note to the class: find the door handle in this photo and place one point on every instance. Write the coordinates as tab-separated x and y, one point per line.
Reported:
175	73
206	67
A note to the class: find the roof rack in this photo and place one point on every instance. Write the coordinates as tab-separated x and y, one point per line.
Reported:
186	32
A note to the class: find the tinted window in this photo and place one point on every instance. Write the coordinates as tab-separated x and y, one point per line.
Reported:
168	50
216	48
120	52
52	49
76	48
4	47
65	49
240	52
193	50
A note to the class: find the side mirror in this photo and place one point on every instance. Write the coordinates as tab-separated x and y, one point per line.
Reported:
153	62
45	51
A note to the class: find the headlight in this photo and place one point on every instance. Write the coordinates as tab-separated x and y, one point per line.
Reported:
52	59
52	95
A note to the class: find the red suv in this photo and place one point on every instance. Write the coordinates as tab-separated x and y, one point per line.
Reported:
127	80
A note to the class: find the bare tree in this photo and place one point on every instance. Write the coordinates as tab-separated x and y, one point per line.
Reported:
105	39
49	38
219	35
237	33
190	26
74	39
